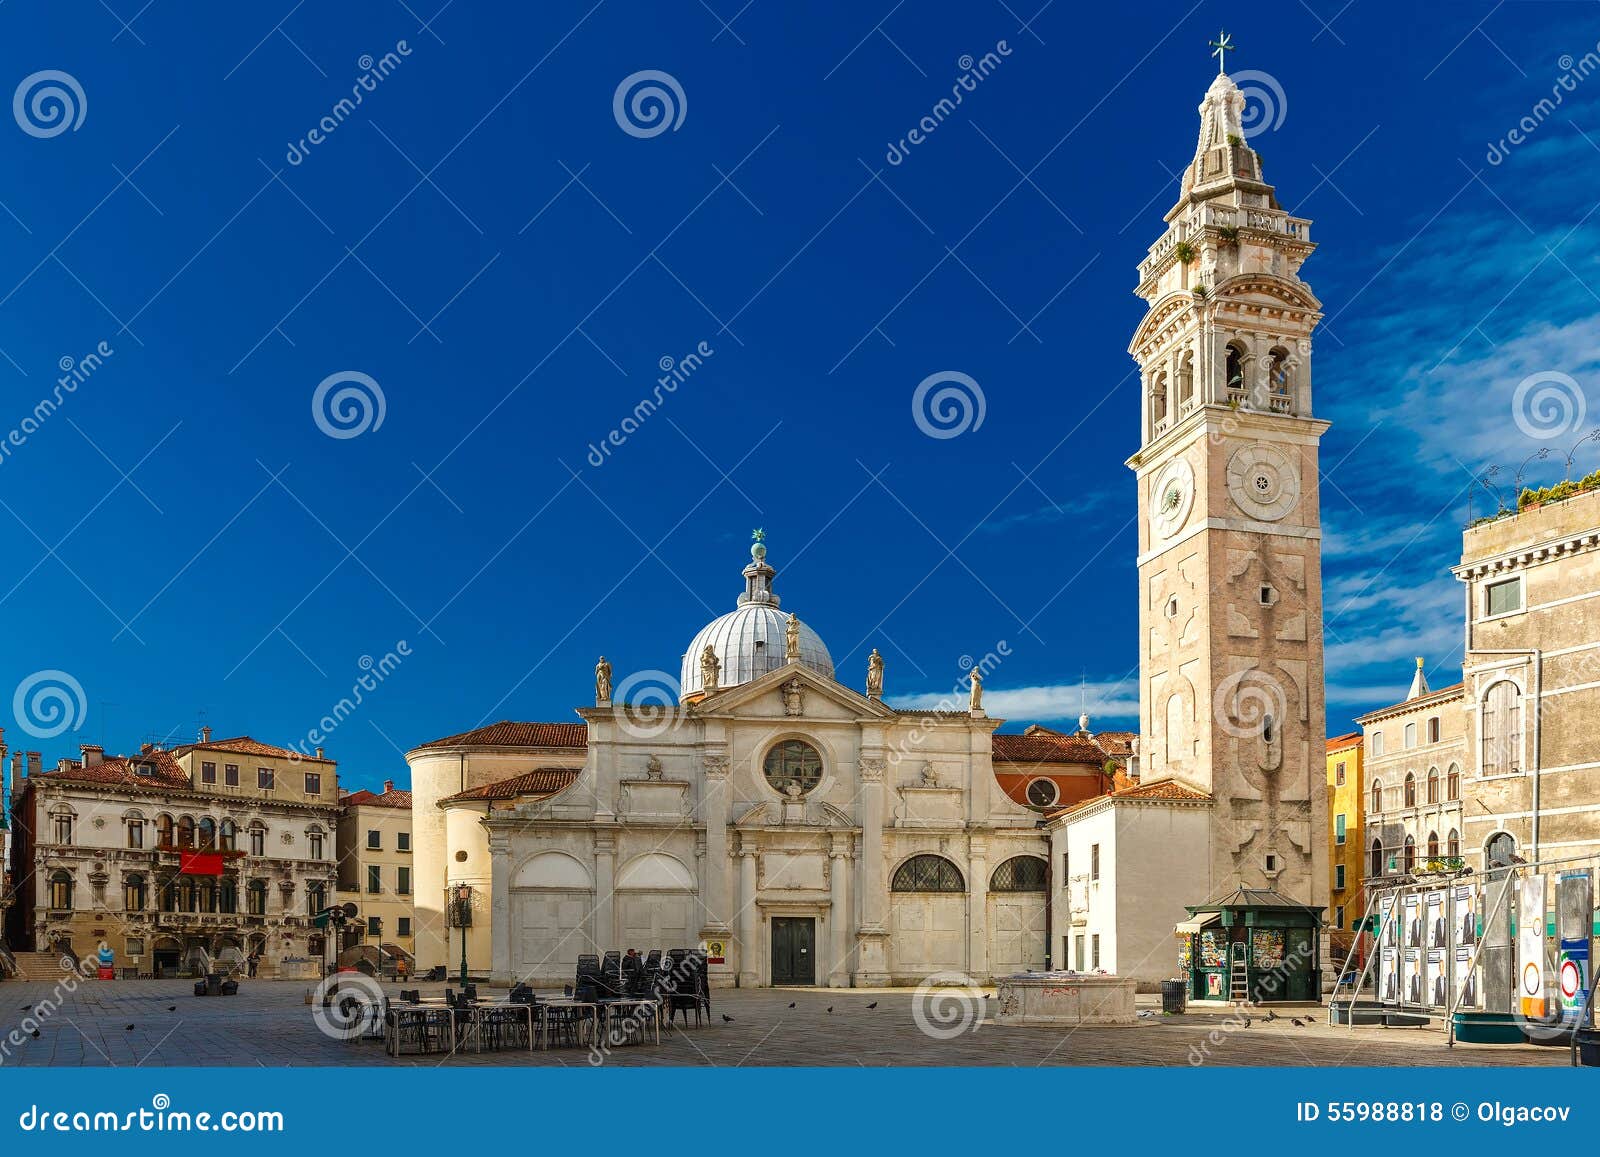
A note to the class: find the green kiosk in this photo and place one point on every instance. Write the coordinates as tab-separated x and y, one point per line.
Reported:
1256	945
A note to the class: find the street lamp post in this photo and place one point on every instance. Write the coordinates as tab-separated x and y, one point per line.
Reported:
461	917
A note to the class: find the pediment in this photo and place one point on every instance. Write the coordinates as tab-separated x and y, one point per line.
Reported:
769	697
1269	290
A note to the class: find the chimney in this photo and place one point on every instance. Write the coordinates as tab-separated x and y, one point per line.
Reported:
35	763
205	735
388	786
16	767
319	753
64	763
144	748
91	753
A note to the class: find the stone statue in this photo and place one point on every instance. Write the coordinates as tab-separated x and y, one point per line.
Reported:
930	776
976	698
794	697
874	675
791	639
652	767
602	681
710	669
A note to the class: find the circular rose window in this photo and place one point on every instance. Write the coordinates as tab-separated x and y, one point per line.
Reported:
1043	793
793	767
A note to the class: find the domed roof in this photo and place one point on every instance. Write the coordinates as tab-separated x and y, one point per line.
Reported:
751	640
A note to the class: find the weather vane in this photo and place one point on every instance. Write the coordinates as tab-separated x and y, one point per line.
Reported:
1218	49
758	535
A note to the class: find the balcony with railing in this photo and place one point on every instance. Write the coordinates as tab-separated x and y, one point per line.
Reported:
1217	218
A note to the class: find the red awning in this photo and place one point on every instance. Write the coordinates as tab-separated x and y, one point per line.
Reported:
200	863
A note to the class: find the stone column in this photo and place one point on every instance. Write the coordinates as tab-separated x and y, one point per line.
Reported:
714	814
604	932
841	923
749	916
978	909
500	966
872	962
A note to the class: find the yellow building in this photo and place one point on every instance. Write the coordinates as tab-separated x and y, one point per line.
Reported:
1345	788
375	869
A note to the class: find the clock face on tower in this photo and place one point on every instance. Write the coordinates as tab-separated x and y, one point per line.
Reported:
1263	482
1171	495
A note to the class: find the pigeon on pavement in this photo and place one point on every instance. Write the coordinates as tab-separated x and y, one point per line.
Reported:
726	1019
874	1004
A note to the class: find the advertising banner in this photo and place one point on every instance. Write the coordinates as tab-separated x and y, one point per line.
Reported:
1530	947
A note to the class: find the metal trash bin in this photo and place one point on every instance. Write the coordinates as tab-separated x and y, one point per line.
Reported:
1174	996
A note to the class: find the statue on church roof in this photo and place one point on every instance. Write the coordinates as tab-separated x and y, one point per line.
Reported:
602	681
976	698
874	675
791	639
710	669
794	697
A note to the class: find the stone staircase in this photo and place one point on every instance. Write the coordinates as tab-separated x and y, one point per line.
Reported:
36	966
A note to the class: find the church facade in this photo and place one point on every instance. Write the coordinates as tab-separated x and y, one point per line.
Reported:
801	829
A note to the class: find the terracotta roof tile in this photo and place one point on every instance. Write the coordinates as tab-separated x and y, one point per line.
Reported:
1340	742
1039	748
117	770
391	798
1166	789
244	745
508	733
542	781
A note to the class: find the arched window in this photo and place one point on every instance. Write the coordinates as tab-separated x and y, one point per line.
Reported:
793	767
133	892
1433	785
1376	866
256	898
164	831
186	832
1019	874
1501	851
61	891
1234	371
229	836
1185	383
1279	374
1377	795
927	873
316	897
228	895
1502	730
1158	398
186	894
1452	845
1409	860
208	832
1452	783
1411	790
1433	845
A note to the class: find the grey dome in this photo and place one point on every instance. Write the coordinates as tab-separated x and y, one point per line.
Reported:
751	640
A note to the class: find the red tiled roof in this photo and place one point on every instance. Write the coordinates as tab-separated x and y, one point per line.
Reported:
391	798
117	770
1116	743
1166	789
507	733
1039	748
1340	742
244	745
542	781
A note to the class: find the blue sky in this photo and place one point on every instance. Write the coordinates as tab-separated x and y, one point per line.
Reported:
482	239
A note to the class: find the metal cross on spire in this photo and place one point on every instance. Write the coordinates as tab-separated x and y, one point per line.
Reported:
1219	49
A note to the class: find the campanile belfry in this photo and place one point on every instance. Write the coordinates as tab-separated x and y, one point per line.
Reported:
1230	619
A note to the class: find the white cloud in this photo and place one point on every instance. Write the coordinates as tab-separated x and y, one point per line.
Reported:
1105	702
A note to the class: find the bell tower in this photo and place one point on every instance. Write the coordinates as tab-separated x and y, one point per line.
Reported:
1231	694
